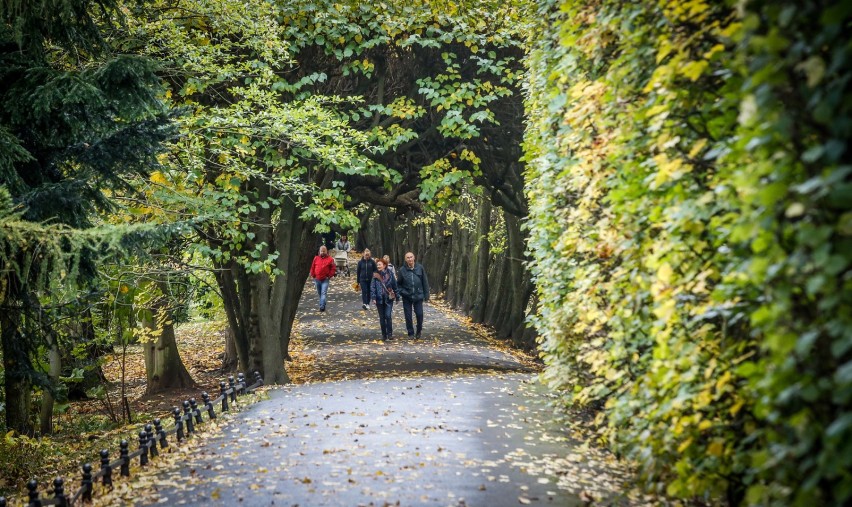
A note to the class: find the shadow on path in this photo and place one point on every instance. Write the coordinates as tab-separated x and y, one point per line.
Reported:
345	341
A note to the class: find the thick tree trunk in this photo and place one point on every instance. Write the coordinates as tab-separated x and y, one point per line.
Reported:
16	363
479	297
461	263
497	298
16	360
163	365
515	257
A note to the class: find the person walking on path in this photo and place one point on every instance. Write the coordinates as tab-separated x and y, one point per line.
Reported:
364	274
383	290
322	269
388	265
343	244
414	289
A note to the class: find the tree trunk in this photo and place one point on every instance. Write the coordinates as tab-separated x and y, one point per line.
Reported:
293	243
16	360
483	257
163	366
514	253
47	401
231	360
16	364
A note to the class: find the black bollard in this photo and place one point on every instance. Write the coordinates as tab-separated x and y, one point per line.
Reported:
32	494
2	501
151	441
107	478
233	386
195	411
190	427
124	454
59	492
258	379
87	482
161	433
143	446
241	381
178	425
208	405
224	392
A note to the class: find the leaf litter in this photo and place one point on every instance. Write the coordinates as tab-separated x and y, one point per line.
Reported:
436	421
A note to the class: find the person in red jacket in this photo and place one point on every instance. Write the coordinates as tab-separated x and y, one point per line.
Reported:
322	269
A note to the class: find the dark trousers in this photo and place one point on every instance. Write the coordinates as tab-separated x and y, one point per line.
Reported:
365	292
407	305
385	314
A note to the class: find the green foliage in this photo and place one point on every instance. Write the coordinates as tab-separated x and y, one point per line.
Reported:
689	186
300	89
22	458
76	124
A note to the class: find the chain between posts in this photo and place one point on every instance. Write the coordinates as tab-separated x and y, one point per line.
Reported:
149	436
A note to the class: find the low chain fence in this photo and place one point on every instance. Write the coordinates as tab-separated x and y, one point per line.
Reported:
152	439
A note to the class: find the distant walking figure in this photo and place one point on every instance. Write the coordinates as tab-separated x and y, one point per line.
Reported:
364	273
388	265
414	289
322	269
383	290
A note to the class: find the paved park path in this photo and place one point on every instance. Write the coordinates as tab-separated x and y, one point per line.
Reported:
448	420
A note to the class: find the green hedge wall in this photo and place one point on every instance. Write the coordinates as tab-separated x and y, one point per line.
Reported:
690	193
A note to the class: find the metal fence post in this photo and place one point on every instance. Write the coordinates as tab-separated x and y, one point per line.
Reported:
87	482
207	405
143	446
59	492
190	427
161	433
258	379
241	381
107	479
124	454
150	441
224	391
178	425
233	386
195	411
32	494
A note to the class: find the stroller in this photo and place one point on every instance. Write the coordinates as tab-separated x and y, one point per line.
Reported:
341	261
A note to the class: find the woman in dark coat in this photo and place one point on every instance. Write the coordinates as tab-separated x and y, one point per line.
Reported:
383	290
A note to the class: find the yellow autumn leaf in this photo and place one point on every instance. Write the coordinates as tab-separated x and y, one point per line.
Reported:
697	147
159	178
693	70
736	407
716	448
664	273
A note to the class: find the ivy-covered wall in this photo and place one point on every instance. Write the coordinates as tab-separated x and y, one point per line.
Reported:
690	193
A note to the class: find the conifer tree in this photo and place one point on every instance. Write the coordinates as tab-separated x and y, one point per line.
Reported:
75	122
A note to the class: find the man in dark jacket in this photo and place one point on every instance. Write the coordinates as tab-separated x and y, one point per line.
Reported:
414	289
366	268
